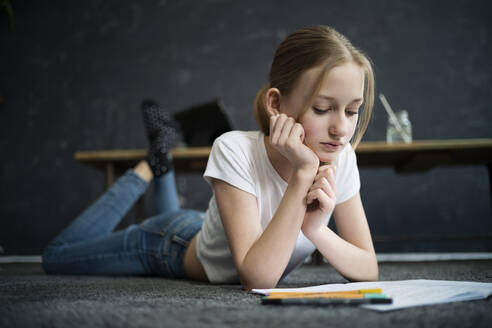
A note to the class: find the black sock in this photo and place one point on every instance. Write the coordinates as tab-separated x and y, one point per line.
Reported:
162	135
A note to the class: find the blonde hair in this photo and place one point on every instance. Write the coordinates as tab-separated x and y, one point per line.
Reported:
308	48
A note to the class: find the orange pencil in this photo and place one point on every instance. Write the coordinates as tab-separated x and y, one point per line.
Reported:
317	295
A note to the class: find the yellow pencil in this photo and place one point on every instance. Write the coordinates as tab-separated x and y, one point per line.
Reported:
301	294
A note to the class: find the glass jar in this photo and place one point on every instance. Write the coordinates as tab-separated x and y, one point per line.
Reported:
393	133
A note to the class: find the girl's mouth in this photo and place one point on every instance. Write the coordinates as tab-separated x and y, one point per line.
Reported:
330	146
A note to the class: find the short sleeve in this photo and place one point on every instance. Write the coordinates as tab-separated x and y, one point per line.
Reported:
230	161
347	177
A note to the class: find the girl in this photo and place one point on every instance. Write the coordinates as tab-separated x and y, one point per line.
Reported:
274	190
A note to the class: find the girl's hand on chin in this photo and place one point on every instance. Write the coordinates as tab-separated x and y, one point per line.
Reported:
320	199
287	137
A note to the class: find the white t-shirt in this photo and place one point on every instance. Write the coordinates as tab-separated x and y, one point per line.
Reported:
240	159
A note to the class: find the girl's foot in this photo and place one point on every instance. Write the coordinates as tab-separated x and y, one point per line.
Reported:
162	135
142	169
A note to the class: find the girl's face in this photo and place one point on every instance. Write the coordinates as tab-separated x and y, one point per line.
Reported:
331	121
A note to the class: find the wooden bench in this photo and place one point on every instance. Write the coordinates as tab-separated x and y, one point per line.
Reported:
419	156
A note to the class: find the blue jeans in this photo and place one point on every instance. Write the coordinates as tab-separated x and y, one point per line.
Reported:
155	247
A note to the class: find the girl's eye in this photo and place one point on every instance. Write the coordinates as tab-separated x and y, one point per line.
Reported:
320	111
324	110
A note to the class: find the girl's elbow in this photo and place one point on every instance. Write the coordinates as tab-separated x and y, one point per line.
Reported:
258	282
369	273
374	275
373	272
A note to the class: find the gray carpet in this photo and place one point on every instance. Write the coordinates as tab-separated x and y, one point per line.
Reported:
29	298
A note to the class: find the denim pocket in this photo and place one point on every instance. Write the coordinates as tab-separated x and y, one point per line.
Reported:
175	230
183	242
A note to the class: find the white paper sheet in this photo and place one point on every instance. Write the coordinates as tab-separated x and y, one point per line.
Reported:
407	293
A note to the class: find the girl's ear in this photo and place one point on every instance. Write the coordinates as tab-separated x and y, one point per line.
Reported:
272	101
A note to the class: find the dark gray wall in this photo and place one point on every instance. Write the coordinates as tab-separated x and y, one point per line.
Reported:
73	73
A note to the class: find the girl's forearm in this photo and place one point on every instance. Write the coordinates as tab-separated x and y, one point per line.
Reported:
267	259
354	263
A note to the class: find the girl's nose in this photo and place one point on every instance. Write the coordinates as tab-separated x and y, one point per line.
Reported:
338	125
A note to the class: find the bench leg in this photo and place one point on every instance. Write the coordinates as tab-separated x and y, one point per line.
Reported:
109	174
490	182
